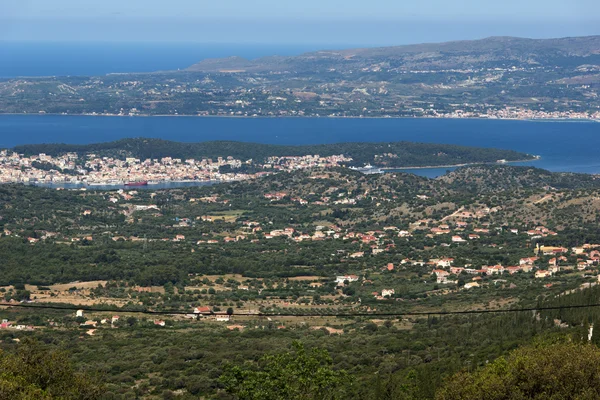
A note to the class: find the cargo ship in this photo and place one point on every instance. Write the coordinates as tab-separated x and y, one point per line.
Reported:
139	183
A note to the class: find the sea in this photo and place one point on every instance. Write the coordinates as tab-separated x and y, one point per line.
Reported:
26	59
567	146
570	146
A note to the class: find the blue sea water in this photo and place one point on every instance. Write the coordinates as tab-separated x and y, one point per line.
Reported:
96	58
562	145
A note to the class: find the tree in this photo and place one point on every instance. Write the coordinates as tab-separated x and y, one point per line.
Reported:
541	371
36	373
292	375
230	311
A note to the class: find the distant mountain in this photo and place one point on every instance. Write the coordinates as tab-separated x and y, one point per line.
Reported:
458	54
497	77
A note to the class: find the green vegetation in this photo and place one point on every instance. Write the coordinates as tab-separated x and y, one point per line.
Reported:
248	277
542	371
36	372
297	375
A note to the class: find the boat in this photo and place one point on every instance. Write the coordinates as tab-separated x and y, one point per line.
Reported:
138	183
368	169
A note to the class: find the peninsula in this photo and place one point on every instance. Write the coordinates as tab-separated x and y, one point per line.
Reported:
494	78
141	160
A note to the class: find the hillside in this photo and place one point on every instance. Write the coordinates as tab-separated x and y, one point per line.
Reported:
480	179
265	262
497	77
492	51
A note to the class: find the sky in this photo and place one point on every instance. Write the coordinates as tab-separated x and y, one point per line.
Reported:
373	22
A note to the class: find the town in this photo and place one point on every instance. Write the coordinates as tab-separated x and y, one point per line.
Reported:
95	170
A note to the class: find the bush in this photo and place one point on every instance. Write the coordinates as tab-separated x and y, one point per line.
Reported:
543	371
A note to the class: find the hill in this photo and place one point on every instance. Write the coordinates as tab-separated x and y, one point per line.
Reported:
492	51
492	178
497	77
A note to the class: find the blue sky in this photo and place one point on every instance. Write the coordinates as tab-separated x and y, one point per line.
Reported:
375	22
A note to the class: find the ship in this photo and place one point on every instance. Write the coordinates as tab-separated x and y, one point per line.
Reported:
138	183
368	169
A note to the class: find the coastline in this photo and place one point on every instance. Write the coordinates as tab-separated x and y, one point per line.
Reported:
536	158
581	120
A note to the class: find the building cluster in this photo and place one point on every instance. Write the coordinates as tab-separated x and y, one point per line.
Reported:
97	170
548	261
291	163
514	113
6	324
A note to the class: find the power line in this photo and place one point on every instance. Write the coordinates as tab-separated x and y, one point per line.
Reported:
287	314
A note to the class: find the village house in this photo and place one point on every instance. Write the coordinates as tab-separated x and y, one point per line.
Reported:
542	274
551	250
202	310
471	285
442	276
528	261
444	262
527	267
512	270
456	270
494	270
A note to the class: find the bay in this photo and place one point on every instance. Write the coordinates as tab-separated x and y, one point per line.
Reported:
569	146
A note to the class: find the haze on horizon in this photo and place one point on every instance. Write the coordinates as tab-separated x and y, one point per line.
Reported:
355	22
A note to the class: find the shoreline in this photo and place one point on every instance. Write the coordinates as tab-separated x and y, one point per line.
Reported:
387	169
581	120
